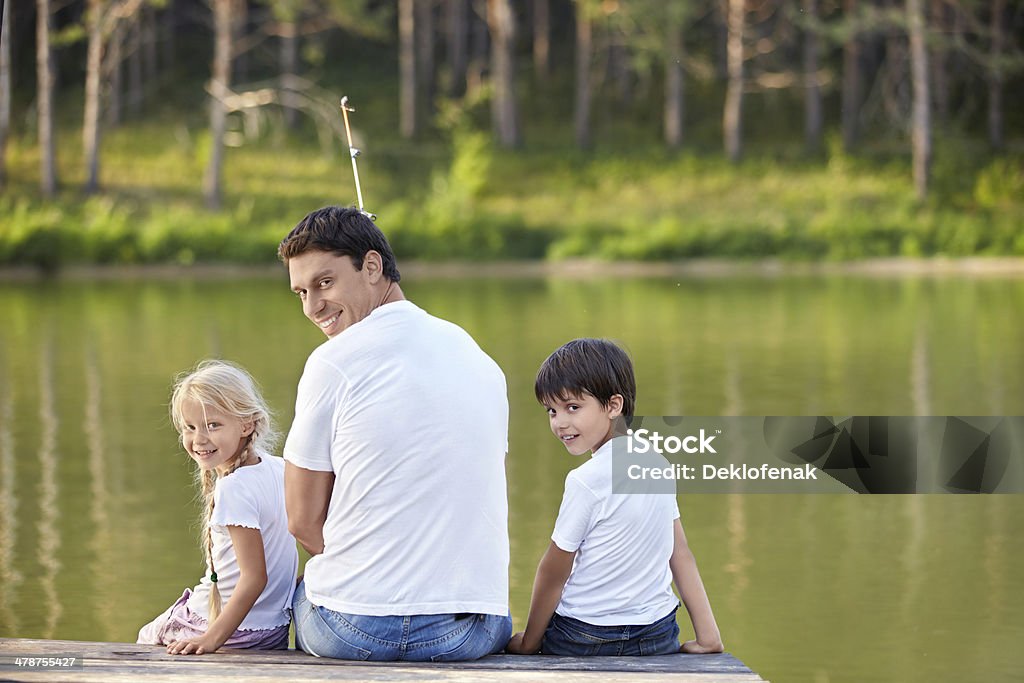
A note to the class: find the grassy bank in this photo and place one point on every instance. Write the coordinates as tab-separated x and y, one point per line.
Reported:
456	196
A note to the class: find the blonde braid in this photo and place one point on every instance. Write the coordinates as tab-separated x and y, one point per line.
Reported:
209	479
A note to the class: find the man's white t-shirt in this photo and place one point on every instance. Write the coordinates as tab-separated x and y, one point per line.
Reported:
411	416
252	497
623	543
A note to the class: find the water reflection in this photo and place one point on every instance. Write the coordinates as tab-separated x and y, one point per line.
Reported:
10	577
803	586
49	534
919	368
738	561
99	500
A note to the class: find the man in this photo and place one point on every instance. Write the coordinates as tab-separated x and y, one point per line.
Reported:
395	472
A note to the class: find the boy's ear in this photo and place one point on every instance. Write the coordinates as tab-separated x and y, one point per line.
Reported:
614	406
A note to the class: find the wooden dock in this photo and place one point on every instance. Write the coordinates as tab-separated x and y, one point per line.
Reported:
129	662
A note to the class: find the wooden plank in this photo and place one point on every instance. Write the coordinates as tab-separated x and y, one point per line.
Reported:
125	661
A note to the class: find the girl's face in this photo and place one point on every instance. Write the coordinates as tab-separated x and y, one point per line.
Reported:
210	436
581	423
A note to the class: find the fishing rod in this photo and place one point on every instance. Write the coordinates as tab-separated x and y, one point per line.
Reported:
353	153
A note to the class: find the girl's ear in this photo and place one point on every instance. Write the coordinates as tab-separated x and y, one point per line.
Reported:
614	406
248	428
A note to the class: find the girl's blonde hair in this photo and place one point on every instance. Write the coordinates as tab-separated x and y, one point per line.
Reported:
231	390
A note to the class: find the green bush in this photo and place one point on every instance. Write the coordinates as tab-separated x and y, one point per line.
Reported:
551	201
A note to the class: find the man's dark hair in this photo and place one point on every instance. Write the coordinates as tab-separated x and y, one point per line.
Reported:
595	366
345	231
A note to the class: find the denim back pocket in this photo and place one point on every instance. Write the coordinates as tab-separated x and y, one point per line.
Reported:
332	636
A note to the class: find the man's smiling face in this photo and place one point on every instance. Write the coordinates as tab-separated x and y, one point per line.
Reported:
334	294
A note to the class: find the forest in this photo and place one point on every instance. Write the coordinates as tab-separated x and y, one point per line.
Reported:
135	131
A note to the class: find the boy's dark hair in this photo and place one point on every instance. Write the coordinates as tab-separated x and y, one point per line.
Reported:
595	366
344	231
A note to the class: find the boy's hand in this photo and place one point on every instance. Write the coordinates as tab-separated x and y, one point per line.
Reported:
515	645
195	646
692	647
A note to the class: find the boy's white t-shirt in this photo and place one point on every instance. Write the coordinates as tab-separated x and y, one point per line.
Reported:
252	497
411	416
623	543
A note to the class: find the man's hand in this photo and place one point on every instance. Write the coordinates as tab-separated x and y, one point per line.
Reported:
515	645
692	647
194	646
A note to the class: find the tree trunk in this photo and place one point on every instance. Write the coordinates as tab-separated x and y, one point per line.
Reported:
135	65
407	68
93	81
720	17
169	31
939	66
44	88
5	88
619	71
732	119
675	104
921	124
458	46
289	55
851	84
541	38
219	85
995	77
149	45
425	53
812	91
502	23
239	29
113	67
584	50
478	46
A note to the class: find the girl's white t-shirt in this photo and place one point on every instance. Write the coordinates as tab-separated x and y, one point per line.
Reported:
623	543
253	497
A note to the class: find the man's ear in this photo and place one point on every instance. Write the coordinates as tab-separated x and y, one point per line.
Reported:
373	266
614	406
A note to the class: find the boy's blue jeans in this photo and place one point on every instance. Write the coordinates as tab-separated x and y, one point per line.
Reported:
419	638
566	636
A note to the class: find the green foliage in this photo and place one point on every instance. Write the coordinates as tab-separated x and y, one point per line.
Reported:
618	202
1000	185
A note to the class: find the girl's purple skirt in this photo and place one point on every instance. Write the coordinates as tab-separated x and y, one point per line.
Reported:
181	623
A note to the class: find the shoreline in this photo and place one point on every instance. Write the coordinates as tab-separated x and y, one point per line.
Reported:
996	266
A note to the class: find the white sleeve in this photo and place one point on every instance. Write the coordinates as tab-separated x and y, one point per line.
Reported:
234	505
309	440
575	516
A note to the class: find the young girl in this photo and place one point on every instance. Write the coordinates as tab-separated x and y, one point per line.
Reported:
251	559
604	586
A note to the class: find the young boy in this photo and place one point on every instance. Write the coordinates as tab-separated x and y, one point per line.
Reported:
604	585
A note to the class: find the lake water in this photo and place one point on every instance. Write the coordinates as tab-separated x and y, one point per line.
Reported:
98	526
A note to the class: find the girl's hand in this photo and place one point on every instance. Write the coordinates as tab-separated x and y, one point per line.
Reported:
515	645
692	647
195	646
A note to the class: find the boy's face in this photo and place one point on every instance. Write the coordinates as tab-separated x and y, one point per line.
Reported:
581	423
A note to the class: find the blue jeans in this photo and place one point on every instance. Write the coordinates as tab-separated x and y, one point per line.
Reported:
566	636
418	638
